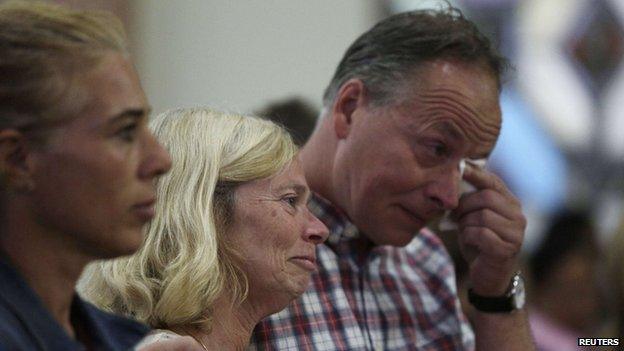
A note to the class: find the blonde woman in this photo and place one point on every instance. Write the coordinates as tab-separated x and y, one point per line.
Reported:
232	240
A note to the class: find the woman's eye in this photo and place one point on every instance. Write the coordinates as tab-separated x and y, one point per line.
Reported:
128	132
291	200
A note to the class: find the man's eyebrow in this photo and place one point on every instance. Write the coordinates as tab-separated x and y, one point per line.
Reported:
450	130
455	133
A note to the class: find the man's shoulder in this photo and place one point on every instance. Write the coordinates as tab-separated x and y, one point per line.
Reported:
425	249
427	252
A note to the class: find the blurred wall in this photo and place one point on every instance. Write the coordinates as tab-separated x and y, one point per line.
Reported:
237	55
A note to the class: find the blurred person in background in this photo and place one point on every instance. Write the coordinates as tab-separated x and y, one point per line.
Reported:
232	240
77	164
296	114
411	99
565	296
615	253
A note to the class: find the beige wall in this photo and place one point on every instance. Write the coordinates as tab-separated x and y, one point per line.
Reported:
238	54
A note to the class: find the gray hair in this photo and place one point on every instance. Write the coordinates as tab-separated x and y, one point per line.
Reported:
400	44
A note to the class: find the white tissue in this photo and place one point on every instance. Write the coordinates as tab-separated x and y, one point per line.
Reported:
446	223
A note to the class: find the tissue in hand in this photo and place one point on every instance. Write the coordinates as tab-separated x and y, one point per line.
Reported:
446	223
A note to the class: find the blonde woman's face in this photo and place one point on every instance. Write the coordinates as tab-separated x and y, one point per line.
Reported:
93	183
276	235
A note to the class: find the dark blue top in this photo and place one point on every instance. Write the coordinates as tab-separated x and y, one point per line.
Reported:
25	324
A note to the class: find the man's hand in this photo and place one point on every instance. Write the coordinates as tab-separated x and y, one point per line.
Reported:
491	230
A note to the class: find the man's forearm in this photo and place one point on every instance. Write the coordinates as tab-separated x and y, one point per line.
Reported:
502	331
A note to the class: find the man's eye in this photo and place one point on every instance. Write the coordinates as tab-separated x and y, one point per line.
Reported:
438	149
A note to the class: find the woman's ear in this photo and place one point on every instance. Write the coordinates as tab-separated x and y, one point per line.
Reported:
15	170
350	96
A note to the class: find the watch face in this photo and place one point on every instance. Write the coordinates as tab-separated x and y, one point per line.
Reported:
518	293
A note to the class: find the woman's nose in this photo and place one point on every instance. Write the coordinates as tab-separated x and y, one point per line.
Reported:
315	231
157	160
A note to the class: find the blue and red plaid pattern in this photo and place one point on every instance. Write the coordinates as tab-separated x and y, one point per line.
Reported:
366	297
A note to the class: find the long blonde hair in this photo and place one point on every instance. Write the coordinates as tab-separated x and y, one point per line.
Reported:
185	263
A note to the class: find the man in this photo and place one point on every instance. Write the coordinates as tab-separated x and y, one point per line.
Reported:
411	99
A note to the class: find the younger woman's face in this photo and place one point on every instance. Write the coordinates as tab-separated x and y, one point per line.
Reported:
93	181
276	235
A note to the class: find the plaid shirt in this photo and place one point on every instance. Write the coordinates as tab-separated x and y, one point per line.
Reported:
367	297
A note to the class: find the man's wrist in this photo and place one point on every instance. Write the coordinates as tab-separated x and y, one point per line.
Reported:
512	299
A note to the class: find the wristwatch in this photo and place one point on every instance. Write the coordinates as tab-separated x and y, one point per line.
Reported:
513	299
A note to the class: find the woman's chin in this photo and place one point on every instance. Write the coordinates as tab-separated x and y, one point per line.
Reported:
299	285
128	242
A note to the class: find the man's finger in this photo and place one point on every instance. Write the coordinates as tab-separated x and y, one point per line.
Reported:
482	179
507	230
508	207
488	242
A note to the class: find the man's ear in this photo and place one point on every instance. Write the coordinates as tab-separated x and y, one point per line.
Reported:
15	169
350	96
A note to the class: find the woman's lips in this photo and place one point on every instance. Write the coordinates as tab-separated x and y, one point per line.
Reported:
145	210
306	262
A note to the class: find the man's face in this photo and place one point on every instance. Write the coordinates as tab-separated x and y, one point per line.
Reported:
398	167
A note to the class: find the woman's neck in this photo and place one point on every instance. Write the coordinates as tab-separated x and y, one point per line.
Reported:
231	326
46	264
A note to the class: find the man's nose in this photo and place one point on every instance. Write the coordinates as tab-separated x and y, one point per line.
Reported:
444	187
